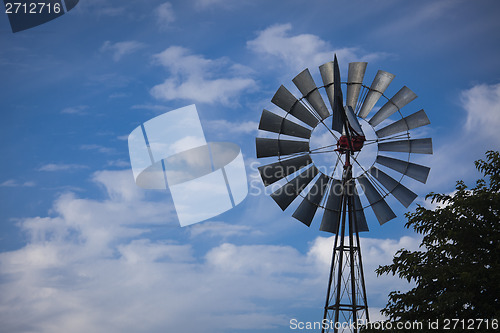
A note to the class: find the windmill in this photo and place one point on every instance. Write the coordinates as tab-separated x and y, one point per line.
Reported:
353	182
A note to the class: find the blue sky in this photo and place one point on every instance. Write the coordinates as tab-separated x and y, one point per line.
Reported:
83	249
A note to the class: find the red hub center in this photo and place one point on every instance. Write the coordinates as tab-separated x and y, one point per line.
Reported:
357	143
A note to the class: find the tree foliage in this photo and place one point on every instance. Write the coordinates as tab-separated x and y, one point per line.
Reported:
457	269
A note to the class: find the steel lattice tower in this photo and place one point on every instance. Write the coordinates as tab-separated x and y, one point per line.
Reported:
346	301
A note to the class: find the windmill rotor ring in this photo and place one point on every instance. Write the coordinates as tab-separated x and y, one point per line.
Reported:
303	115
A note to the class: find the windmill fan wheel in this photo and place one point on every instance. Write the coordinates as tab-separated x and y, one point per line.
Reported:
291	145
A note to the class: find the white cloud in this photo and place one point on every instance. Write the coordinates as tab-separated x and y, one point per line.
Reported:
165	15
184	144
143	250
198	79
247	260
209	91
100	8
152	107
180	61
220	4
14	183
119	163
87	268
61	167
454	155
121	49
482	103
304	50
208	3
9	183
78	110
99	148
90	267
122	137
245	127
221	229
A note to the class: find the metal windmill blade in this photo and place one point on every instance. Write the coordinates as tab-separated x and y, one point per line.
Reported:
286	194
355	82
398	190
273	123
329	223
273	172
380	207
402	97
276	147
419	146
414	120
305	83
377	89
286	101
415	171
305	212
333	207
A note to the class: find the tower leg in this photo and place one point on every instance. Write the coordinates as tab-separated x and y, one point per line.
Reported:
346	304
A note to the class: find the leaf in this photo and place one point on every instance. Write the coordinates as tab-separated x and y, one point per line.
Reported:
457	270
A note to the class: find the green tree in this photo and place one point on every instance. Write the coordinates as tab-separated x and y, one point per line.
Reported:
457	269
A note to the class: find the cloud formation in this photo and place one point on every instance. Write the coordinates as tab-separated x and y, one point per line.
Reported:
91	266
78	110
98	148
482	104
222	230
120	49
454	154
165	15
51	167
245	127
15	183
304	50
209	3
196	78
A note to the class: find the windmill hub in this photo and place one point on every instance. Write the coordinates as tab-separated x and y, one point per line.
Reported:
357	142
